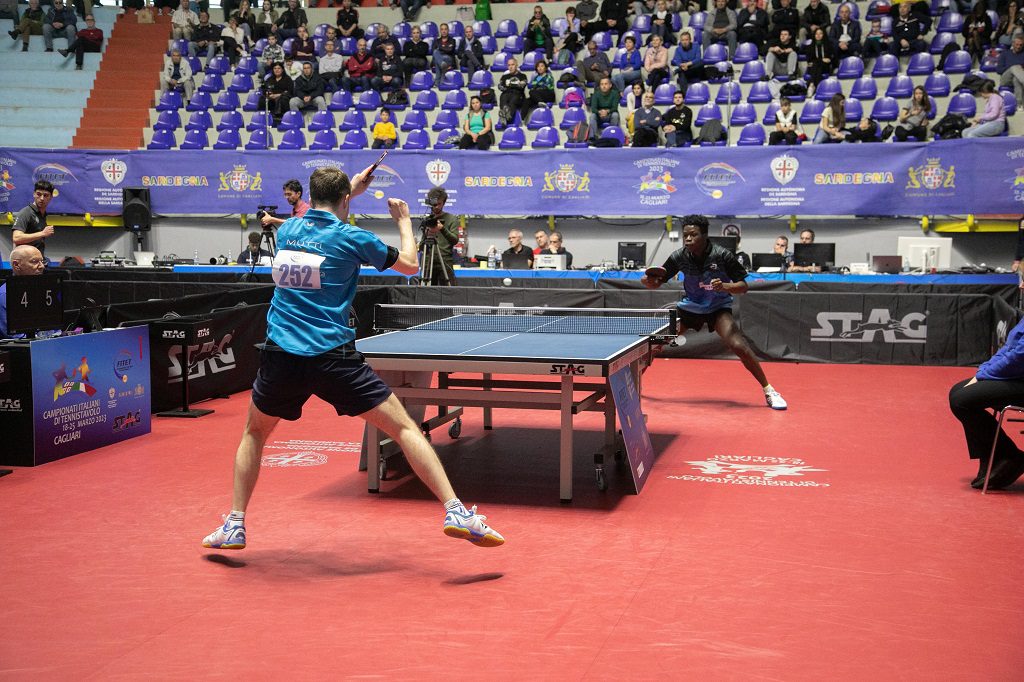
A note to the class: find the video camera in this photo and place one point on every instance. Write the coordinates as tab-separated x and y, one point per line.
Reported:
262	211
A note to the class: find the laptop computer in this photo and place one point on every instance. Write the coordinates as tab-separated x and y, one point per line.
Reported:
549	261
887	265
516	261
767	262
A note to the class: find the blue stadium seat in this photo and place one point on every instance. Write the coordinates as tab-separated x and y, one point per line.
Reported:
353	120
228	139
939	42
746	53
664	93
885	66
697	21
482	28
850	68
252	102
292	120
456	28
962	103
181	45
489	46
878	9
195	139
506	28
603	40
227	101
729	92
1009	103
425	101
447	139
347	46
452	80
513	45
162	139
322	120
769	114
259	46
248	65
939	6
716	52
697	93
499	64
614	133
231	120
547	138
743	114
201	101
368	100
706	113
199	120
957	62
937	85
558	26
261	120
759	92
258	139
355	139
167	120
572	117
885	109
541	117
219	65
752	135
854	109
951	22
420	81
513	138
241	82
321	30
402	29
429	29
864	88
811	113
212	82
325	140
920	64
827	88
455	100
481	80
340	101
752	72
417	139
530	60
641	23
414	121
292	139
170	101
446	119
900	87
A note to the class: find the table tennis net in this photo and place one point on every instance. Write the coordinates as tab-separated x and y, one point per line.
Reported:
392	317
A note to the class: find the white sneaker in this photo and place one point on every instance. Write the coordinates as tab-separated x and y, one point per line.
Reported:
774	400
229	536
471	527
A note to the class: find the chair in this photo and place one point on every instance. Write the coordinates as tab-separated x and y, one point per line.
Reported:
958	62
864	88
603	40
500	62
729	92
886	66
455	100
346	46
900	87
752	73
227	101
292	139
506	28
854	110
421	80
530	60
937	85
811	113
1004	415
414	121
697	20
241	82
706	113
962	103
642	23
885	109
743	114
850	68
745	53
219	65
452	80
951	22
716	52
573	116
827	88
878	9
369	100
447	139
212	82
482	28
228	138
939	42
252	102
547	138
261	120
990	61
619	58
425	101
513	45
195	139
541	117
614	133
321	30
759	92
247	65
199	120
920	64
353	120
752	135
292	120
769	114
559	26
939	6
489	46
429	29
417	139
325	140
230	120
258	139
456	28
512	139
340	101
698	93
322	120
401	30
664	93
201	101
1009	103
446	118
162	139
481	80
167	120
170	101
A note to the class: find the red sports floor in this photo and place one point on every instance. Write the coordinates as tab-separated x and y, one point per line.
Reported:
877	562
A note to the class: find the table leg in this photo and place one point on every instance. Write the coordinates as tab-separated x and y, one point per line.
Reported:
442	383
373	463
609	416
565	461
487	411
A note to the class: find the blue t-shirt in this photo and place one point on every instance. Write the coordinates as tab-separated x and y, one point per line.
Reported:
1008	362
698	271
316	270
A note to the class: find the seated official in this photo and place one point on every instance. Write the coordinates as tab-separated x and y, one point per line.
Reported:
806	237
555	246
253	252
25	260
517	256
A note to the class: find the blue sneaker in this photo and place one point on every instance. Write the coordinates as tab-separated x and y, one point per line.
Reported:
469	525
229	536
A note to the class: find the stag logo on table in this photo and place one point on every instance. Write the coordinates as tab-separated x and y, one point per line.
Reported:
438	171
930	179
714	178
776	472
566	181
656	184
294	459
114	171
784	169
240	181
208	357
853	327
10	405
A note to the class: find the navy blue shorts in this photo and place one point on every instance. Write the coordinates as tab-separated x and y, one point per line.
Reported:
696	321
286	381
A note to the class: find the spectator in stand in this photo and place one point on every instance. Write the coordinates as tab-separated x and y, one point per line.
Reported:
361	67
604	107
586	12
1011	67
89	39
781	57
876	43
31	24
677	123
30	223
720	26
656	63
689	67
833	118
470	51
477	130
384	134
661	23
415	53
246	19
845	34
815	16
866	130
542	240
1011	25
308	91
977	31
411	9
992	121
820	59
232	37
513	90
537	34
555	247
787	124
389	71
183	21
266	21
914	118
593	67
630	65
277	92
330	65
786	17
646	123
444	52
642	7
613	16
906	33
272	54
753	25
205	37
542	89
292	68
287	25
634	100
303	47
348	21
162	5
60	21
383	38
177	74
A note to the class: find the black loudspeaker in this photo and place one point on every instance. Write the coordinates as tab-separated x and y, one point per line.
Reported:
135	209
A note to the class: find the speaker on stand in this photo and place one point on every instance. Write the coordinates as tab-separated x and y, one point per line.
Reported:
136	212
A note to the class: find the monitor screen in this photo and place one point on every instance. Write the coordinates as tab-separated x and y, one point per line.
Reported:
517	261
34	303
632	254
822	254
925	252
727	243
767	260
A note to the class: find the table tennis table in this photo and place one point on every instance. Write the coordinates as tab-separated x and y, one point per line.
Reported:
579	348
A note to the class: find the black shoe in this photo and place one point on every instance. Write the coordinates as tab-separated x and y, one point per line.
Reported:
13	34
1005	473
24	47
49	49
63	53
765	78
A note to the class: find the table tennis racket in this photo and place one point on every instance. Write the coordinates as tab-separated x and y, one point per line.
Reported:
656	274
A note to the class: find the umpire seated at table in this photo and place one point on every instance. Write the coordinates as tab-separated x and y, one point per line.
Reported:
253	252
25	260
517	256
555	247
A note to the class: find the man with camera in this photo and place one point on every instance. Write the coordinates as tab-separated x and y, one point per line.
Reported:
293	195
440	235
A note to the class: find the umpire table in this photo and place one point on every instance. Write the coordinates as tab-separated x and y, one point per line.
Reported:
471	349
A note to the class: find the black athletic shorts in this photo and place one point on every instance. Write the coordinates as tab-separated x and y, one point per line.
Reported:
285	382
696	321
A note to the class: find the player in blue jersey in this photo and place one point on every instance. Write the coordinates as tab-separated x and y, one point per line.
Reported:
310	349
711	275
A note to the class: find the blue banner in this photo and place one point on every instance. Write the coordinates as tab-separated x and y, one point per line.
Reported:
89	390
950	177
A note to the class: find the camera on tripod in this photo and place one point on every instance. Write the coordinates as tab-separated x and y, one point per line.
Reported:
263	211
429	222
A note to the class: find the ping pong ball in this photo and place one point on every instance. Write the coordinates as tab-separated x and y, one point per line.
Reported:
378	194
507	281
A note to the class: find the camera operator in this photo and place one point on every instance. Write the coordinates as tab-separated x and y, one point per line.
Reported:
442	227
293	194
253	252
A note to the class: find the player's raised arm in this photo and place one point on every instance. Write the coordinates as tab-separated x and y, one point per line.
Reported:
361	181
407	263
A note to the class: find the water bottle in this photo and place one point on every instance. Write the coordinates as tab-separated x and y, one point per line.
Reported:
497	260
492	258
195	257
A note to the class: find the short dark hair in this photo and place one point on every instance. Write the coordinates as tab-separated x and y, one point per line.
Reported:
43	186
698	221
255	238
328	185
293	185
807	229
437	195
987	86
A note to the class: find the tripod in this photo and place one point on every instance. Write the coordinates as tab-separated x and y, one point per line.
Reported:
431	262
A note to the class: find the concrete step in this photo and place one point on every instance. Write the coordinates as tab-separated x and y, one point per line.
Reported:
70	80
47	137
41	116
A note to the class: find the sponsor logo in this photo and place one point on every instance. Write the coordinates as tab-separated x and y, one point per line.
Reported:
385	176
205	331
127	421
55	173
111	394
931	176
213	357
6	184
498	181
4	367
239	180
867	178
10	405
714	178
320	163
567	368
174	334
854	328
114	171
656	184
294	459
784	169
175	181
65	384
122	363
315	445
438	171
786	472
565	180
1017	184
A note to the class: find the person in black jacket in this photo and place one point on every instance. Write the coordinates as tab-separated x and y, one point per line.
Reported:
815	15
786	17
513	92
677	123
821	60
277	92
906	33
415	53
288	23
845	34
977	31
470	51
752	23
308	90
389	71
613	16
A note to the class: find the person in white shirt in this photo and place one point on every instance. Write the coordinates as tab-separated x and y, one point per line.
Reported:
182	21
787	124
331	63
233	40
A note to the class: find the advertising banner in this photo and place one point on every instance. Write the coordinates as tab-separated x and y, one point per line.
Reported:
947	177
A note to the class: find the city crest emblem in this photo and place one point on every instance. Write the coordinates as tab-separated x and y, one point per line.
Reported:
565	179
438	171
114	171
239	180
784	168
931	176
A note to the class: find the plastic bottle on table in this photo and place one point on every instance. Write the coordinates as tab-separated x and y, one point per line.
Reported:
492	259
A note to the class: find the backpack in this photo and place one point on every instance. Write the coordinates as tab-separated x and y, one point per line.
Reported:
487	97
580	132
711	131
397	97
572	99
949	127
795	88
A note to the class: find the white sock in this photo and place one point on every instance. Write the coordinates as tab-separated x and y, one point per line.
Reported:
455	505
236	516
768	389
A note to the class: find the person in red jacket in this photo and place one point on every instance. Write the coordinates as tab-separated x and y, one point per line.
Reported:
89	39
360	68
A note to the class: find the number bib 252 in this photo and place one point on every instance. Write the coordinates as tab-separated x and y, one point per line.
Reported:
297	270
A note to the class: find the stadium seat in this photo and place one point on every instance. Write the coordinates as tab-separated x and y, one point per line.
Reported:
900	87
489	46
195	139
864	88
939	42
614	133
560	84
482	28
878	9
512	139
353	120
421	80
199	120
429	30
769	114
547	138
402	29
212	82
572	117
886	65
558	26
258	139
455	100
201	101
759	92
752	72
414	121
230	120
248	65
951	22
241	82
447	139
219	65
530	60
698	93
259	46
752	135
957	62
716	52
854	109
261	120
729	92
322	120
325	140
513	45
292	139
252	102
937	85
368	100
990	61
292	120
850	68
663	93
743	114
619	58
417	139
827	88
162	139
340	101
446	119
811	112
347	46
481	80
452	80
228	139
854	10
920	64
563	104
885	109
697	21
499	64
170	101
321	30
1009	103
180	44
603	40
962	103
745	53
456	29
425	101
167	120
641	23
885	25
227	101
939	6
706	113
